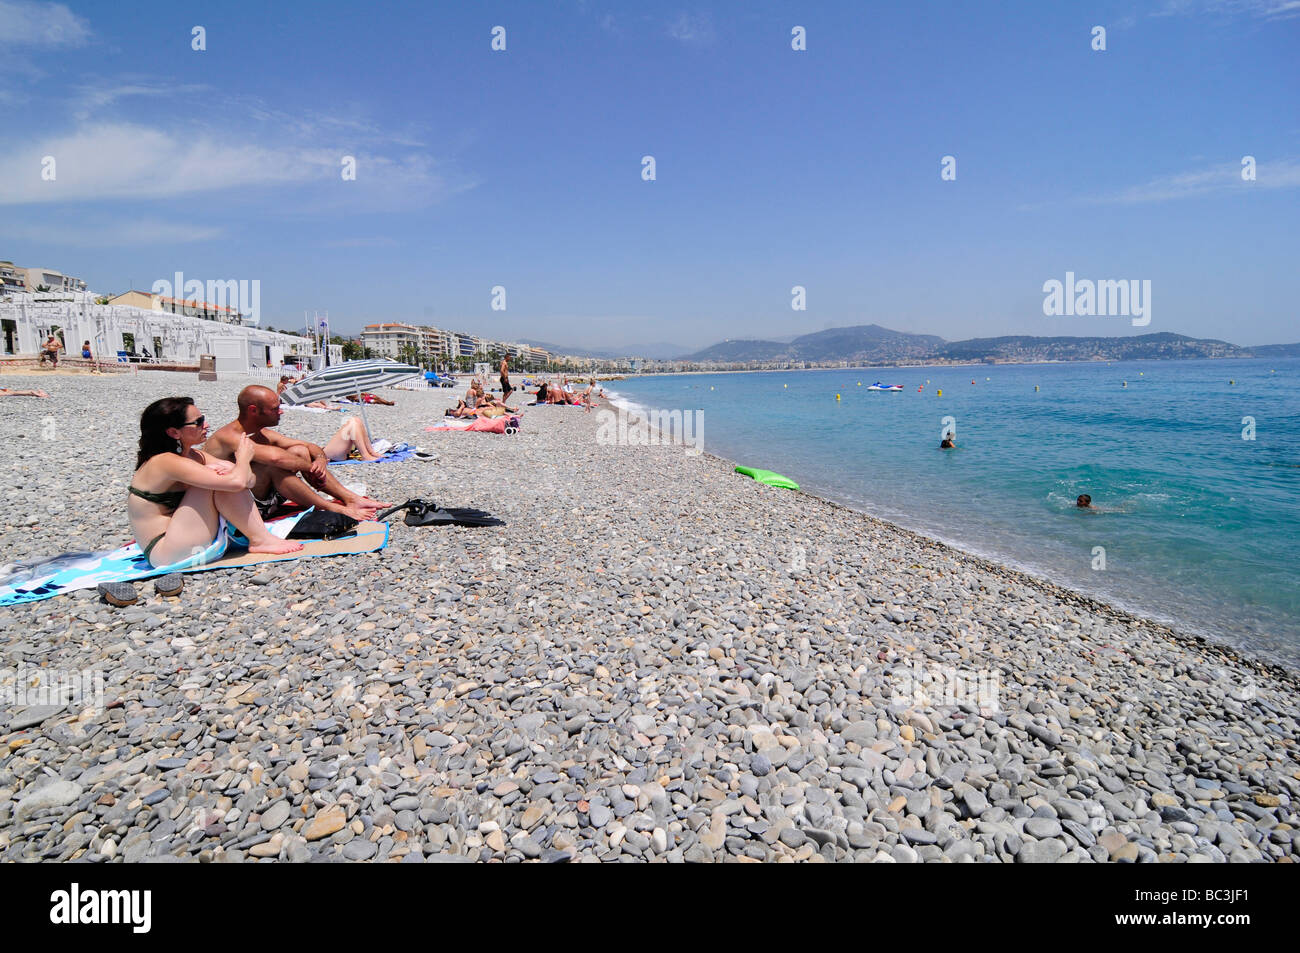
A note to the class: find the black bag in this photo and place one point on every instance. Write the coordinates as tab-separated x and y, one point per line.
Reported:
322	524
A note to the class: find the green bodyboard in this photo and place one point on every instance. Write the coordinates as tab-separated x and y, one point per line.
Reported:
768	477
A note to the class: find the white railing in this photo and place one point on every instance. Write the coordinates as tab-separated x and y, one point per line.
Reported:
257	373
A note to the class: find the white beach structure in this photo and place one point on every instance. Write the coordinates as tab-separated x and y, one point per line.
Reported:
26	320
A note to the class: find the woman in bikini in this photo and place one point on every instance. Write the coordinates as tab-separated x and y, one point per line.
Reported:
177	492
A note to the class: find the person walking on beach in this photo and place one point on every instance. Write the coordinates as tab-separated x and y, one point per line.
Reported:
178	492
51	349
506	389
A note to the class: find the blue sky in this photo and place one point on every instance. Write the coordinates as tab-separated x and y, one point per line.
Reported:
774	167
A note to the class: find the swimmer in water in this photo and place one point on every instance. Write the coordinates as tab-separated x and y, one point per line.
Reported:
1084	502
949	441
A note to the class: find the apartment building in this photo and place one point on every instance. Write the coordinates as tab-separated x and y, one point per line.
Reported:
192	308
390	339
12	278
55	281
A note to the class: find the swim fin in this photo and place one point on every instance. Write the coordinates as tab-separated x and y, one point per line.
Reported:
426	513
438	516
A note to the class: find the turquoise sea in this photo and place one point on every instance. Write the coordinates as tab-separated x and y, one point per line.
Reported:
1199	526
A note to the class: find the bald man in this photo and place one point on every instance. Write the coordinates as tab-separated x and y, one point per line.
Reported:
284	468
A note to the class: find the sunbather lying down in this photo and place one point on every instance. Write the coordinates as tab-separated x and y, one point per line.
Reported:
551	394
369	399
6	392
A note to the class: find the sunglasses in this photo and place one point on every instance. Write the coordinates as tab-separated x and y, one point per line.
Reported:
196	422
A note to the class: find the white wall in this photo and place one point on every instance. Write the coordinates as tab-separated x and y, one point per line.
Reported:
183	338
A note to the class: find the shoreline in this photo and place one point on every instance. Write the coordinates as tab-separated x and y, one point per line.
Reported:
869	367
1099	603
655	659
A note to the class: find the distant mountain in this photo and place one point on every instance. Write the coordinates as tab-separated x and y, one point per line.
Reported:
864	342
1025	347
658	351
743	350
1275	350
872	344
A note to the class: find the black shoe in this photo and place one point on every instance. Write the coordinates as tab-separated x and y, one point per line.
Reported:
120	594
169	585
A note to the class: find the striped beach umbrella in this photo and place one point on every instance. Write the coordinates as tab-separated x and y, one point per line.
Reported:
350	377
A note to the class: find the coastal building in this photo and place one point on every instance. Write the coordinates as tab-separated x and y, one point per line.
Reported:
434	342
391	339
462	344
13	280
193	308
26	320
49	280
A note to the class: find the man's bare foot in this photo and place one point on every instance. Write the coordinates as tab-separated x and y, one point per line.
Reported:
275	546
357	513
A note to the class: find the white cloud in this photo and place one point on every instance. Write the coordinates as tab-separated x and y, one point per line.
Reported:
692	28
126	161
121	161
1283	174
112	234
91	97
1223	177
26	23
1264	9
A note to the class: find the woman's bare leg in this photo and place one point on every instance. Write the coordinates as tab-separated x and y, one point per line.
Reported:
241	512
192	529
351	434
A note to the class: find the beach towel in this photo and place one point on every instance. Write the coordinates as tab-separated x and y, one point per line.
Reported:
396	454
478	424
68	572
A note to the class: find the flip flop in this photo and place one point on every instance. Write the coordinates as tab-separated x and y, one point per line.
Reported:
169	585
120	594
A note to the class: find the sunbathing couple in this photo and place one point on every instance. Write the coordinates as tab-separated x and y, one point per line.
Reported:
179	494
564	394
478	403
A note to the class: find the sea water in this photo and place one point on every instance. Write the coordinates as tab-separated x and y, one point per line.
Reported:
1193	468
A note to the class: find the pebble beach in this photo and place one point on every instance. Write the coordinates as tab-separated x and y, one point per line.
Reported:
655	659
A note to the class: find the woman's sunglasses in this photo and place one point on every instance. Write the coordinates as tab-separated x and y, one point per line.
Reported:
197	421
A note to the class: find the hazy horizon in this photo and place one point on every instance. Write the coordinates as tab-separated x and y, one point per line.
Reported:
774	167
